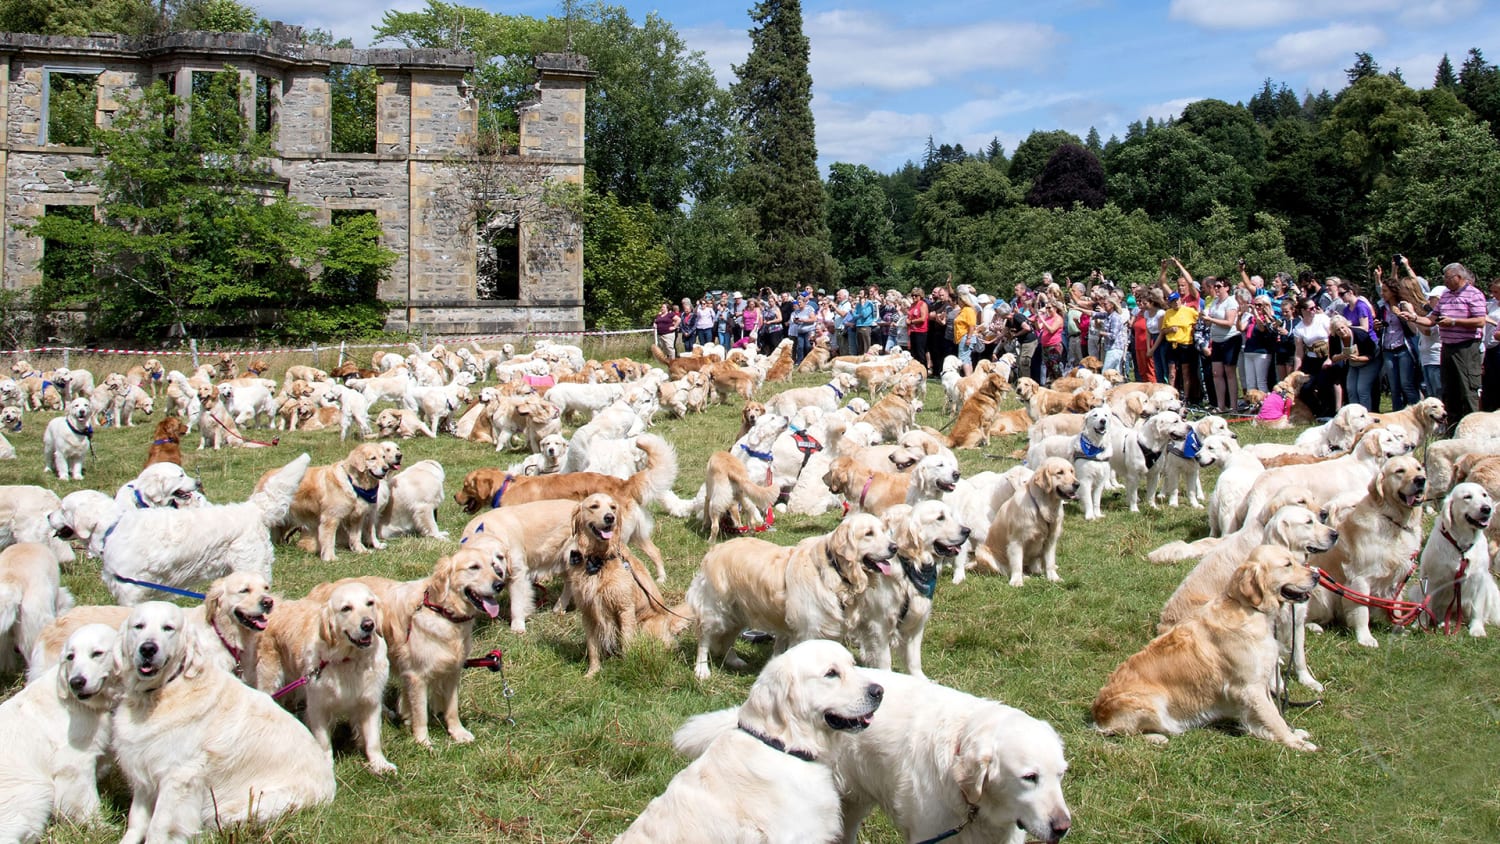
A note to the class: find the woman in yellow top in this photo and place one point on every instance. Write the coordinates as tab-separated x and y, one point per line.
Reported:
965	338
1182	356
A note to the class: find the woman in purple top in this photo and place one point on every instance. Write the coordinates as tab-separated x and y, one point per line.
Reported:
1459	315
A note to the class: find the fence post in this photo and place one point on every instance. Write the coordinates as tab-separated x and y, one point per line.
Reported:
340	362
65	359
315	355
193	346
424	341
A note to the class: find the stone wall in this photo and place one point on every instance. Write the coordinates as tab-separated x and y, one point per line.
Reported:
424	131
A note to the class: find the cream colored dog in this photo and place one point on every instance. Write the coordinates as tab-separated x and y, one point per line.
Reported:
339	500
796	593
199	748
1028	525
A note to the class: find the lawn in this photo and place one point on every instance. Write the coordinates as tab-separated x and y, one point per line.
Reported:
1409	733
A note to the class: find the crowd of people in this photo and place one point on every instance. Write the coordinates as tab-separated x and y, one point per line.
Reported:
1215	339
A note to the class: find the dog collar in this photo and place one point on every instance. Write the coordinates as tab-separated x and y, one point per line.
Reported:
922	577
86	433
452	616
1463	552
234	652
1190	446
833	563
758	455
156	376
500	493
836	391
866	490
366	495
1087	450
778	745
167	441
140	502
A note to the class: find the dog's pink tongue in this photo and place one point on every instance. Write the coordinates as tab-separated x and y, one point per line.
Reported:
491	607
884	566
606	533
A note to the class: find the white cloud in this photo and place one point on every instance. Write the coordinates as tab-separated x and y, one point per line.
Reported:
353	19
1253	14
1437	12
1318	49
1169	109
721	47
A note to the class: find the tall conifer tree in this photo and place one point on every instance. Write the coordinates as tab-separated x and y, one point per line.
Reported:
780	177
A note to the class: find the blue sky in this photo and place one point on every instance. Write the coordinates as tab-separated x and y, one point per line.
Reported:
887	74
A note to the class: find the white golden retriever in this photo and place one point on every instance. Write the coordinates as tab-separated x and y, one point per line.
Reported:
199	748
52	735
30	597
415	494
765	779
67	440
1455	567
181	548
939	762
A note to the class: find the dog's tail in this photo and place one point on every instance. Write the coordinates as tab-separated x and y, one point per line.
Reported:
1179	551
660	355
10	606
667	622
275	498
660	473
694	737
683	508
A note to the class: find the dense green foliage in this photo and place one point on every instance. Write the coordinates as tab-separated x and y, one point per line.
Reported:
195	235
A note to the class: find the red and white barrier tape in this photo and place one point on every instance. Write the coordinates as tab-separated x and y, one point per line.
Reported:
187	353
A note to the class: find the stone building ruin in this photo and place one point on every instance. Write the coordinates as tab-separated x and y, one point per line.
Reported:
413	180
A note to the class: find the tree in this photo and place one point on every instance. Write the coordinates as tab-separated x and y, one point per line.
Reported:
958	218
1176	177
1031	155
901	190
1071	243
773	97
1439	198
1229	129
1371	122
192	236
1072	175
1270	105
1364	67
211	16
351	97
78	17
860	230
1092	142
623	280
713	247
1445	77
995	155
1479	88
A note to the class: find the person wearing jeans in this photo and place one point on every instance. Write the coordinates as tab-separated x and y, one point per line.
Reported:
1460	316
1397	363
1351	346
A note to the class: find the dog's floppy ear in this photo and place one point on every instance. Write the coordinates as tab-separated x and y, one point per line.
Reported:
845	549
193	660
213	599
1247	584
971	767
442	575
327	623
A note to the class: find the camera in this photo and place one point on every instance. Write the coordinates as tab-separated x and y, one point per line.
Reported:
1241	262
1398	257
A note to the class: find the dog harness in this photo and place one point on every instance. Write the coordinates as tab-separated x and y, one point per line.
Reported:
779	745
836	391
87	433
500	493
140	502
922	577
167	441
366	495
1190	446
1151	456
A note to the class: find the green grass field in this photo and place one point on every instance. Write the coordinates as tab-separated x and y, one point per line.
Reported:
1409	734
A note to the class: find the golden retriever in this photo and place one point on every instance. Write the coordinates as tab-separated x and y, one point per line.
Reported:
1455	572
199	748
972	427
1220	664
729	493
876	492
166	442
1418	422
53	735
795	592
31	596
528	541
764	780
817	358
1377	547
428	628
1043	401
341	499
333	642
894	611
895	413
616	597
1029	523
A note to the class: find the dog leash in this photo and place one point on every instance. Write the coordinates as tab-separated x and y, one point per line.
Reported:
275	441
173	590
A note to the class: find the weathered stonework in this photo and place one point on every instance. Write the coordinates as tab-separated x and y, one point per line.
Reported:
424	131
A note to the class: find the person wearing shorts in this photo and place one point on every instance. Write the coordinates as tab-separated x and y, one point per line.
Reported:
1225	342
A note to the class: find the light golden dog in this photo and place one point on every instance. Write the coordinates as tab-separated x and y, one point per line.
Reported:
781	363
200	748
894	611
730	493
895	413
796	593
428	628
1418	422
339	500
615	594
1029	523
1218	665
333	642
972	427
527	542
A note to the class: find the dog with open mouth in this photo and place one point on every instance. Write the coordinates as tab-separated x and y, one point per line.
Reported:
53	734
874	492
895	609
428	627
341	501
1454	575
796	592
1028	525
228	624
770	773
616	597
67	440
334	644
200	749
1220	664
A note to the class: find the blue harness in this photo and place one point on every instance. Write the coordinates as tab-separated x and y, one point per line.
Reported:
366	495
1190	446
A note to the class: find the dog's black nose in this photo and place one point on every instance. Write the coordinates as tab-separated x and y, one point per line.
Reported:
965	532
267	603
497	586
874	692
77	683
148	649
1485	511
609	518
891	548
367	625
1060	828
1421	483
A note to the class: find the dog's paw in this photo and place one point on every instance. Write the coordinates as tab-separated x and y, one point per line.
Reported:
1154	738
518	627
381	767
1017	581
1365	640
1312	628
460	735
1309	682
701	672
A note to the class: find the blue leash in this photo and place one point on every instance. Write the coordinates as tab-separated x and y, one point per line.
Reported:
197	596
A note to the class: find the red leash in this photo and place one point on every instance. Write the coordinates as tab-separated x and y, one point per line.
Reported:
1401	612
241	437
492	660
